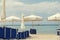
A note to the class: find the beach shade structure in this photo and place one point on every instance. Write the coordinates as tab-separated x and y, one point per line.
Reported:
55	17
23	33
32	18
22	23
12	19
0	19
3	13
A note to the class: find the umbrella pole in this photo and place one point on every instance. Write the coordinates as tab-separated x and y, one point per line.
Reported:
32	24
3	24
12	23
59	24
58	28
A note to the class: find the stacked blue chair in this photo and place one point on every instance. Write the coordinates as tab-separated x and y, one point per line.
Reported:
18	35
21	35
13	33
27	34
1	32
58	32
7	32
32	31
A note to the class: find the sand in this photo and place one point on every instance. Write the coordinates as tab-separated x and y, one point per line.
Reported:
43	37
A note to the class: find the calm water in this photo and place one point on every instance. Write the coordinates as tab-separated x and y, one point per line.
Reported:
42	29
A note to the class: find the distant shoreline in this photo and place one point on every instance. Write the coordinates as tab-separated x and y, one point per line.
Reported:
36	25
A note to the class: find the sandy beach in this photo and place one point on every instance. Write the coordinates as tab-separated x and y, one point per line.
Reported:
40	37
43	37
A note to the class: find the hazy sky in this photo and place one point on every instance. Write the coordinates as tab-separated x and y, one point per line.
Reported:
43	8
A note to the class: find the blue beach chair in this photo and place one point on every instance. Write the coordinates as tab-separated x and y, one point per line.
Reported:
32	31
27	34
58	32
6	32
1	33
21	35
13	33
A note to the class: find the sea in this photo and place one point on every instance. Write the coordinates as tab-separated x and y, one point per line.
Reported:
41	27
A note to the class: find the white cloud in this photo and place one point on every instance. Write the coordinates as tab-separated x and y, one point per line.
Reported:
19	3
42	7
46	7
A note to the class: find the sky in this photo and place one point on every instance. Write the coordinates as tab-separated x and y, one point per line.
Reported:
43	8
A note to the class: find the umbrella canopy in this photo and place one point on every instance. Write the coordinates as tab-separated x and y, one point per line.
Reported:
32	18
3	14
12	18
22	22
0	19
55	17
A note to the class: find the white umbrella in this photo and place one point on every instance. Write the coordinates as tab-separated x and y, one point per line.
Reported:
3	14
12	19
22	23
0	19
55	17
32	18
